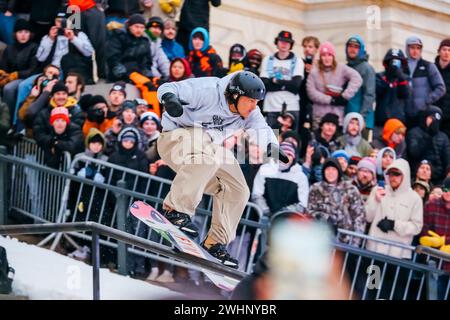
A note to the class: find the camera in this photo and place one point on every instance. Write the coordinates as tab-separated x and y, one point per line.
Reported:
63	27
309	59
45	82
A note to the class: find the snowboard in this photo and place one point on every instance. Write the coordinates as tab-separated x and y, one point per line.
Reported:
155	220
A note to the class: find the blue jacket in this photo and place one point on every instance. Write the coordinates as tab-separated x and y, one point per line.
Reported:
363	101
172	49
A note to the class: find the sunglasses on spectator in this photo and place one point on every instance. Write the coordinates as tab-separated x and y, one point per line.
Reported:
394	173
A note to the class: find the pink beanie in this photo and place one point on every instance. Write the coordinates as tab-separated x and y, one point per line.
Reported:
327	47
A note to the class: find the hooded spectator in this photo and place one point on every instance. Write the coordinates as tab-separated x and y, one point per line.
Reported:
427	142
129	50
385	157
171	47
151	125
352	141
58	136
18	62
364	100
422	189
194	13
442	62
280	186
393	89
253	61
343	158
237	56
160	62
426	81
180	70
326	84
337	202
203	59
395	212
393	136
282	74
366	177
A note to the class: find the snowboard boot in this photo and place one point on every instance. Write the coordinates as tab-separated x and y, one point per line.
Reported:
183	222
219	251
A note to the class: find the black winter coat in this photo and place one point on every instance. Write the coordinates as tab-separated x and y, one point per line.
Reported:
45	10
21	58
124	8
55	145
126	52
444	102
195	13
422	145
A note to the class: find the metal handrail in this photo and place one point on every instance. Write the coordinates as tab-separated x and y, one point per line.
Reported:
98	229
433	253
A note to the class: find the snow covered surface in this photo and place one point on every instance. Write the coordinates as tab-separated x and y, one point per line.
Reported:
42	274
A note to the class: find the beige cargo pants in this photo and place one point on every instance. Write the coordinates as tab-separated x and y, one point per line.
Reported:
204	167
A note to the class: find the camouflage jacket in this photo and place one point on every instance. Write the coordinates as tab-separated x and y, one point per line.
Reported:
340	205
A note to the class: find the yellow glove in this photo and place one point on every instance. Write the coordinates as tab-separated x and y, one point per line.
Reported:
446	249
165	6
434	240
236	67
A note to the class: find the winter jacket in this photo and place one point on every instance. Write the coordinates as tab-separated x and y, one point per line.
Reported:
123	8
344	77
422	144
160	62
195	13
172	49
55	145
289	75
204	62
47	55
208	106
338	204
427	87
355	146
404	206
364	100
274	189
41	121
45	10
151	149
126	54
21	58
444	102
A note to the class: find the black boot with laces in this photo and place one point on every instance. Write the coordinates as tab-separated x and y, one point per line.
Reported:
220	252
183	222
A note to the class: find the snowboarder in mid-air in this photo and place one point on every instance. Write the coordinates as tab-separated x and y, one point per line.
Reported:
199	115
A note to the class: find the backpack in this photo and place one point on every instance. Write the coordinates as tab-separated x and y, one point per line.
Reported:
6	273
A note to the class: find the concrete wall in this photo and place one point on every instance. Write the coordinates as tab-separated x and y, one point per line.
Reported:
255	23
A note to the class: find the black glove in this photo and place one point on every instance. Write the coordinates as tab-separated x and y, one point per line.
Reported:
386	225
339	101
150	86
172	104
274	150
400	75
119	71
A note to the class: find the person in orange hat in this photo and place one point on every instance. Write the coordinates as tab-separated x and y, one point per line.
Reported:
393	136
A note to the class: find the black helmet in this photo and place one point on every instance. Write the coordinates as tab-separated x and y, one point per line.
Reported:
246	84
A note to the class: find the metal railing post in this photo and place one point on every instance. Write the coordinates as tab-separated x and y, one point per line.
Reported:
95	266
122	211
3	188
432	282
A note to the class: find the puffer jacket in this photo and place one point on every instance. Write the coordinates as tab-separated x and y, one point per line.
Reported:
127	54
343	76
404	206
423	144
21	58
427	87
364	100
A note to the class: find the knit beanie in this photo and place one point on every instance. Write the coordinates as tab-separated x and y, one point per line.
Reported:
369	164
22	24
327	47
59	113
59	86
330	117
136	19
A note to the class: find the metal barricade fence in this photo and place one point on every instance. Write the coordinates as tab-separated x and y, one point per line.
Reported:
33	193
82	202
418	257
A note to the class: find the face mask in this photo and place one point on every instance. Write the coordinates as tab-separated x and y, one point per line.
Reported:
96	115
